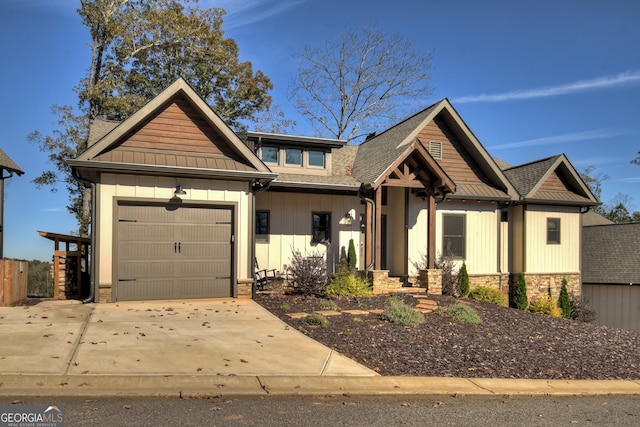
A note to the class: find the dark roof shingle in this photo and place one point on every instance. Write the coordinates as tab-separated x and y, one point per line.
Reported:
610	254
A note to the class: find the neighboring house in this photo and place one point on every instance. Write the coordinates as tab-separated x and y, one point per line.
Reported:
611	273
176	188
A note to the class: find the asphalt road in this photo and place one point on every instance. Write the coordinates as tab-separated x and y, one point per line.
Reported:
340	410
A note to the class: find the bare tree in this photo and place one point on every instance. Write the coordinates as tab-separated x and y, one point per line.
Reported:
356	84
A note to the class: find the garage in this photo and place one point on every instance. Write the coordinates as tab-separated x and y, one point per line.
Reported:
173	251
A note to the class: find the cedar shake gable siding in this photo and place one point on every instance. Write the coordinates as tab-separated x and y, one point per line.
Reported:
176	136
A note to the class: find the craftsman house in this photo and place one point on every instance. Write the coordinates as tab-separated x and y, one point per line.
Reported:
186	208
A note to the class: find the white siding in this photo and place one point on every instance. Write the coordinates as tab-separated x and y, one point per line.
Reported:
290	227
552	258
160	190
481	234
418	232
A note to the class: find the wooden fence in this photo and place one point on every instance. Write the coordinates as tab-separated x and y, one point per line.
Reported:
14	274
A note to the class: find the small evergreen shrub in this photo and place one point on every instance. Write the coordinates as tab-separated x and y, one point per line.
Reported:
581	310
461	312
316	319
399	313
285	307
344	283
545	305
520	300
487	294
563	300
463	281
352	259
309	274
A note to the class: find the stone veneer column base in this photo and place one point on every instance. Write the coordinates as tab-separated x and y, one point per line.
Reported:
244	288
539	284
434	280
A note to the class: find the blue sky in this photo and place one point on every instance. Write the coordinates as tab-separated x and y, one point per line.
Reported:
531	80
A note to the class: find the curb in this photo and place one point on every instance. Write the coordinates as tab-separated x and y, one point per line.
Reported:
203	385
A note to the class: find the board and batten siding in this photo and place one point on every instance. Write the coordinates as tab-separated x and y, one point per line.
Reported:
552	258
617	306
290	216
481	234
160	190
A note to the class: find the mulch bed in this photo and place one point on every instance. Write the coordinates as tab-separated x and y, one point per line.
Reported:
509	343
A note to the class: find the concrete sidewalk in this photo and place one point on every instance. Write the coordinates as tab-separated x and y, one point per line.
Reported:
204	347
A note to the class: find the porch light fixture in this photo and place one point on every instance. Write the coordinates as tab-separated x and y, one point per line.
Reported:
179	190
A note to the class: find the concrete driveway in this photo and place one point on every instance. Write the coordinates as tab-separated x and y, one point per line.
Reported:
234	337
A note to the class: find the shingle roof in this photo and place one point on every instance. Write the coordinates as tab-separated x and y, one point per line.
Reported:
9	165
526	177
377	154
99	128
610	254
593	218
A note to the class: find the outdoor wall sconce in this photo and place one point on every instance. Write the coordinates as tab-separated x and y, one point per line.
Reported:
179	190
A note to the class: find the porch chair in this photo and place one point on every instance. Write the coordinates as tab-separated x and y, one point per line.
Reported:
264	276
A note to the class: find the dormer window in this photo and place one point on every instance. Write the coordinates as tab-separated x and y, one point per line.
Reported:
270	154
293	156
316	158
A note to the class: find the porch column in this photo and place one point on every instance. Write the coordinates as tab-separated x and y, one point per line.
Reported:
431	233
378	233
368	234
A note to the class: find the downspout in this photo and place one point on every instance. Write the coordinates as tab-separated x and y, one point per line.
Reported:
92	258
373	229
257	187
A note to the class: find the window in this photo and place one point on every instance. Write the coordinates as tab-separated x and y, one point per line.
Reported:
553	231
262	222
293	156
321	227
316	158
453	235
270	154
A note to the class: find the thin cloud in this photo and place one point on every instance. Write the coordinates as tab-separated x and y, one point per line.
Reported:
631	180
248	12
563	138
622	79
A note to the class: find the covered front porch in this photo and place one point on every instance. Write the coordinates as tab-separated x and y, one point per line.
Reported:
400	226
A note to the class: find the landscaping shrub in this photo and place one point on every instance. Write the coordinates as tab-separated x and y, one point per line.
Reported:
352	259
328	304
344	283
487	294
309	274
316	319
399	313
449	278
545	305
520	299
581	310
563	300
463	281
460	312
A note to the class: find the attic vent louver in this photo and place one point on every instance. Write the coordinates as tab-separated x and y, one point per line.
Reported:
435	149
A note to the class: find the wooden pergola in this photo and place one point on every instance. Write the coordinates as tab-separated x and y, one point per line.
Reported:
70	263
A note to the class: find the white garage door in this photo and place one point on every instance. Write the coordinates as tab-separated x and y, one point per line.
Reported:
173	252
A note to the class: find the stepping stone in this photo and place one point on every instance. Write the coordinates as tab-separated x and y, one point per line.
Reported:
377	311
297	315
328	312
356	312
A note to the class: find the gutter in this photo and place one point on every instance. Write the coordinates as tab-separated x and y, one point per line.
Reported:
92	259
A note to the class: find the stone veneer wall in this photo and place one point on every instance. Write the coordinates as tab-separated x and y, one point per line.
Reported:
540	284
383	284
244	288
498	281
